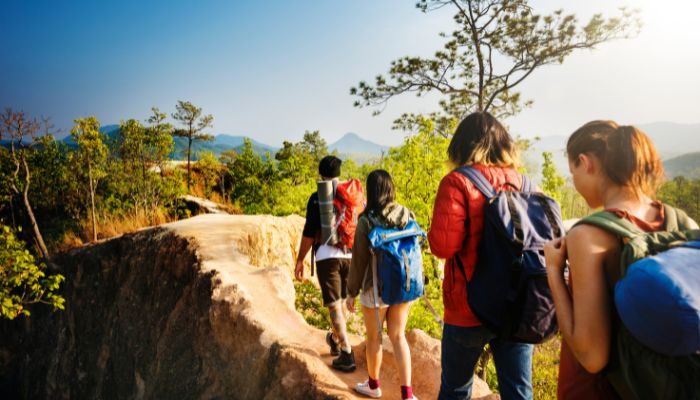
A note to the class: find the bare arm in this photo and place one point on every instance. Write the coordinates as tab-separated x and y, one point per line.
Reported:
304	247
584	319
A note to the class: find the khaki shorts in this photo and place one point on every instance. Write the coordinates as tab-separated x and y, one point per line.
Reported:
333	279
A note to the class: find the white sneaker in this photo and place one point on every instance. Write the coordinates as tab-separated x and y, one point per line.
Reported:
364	388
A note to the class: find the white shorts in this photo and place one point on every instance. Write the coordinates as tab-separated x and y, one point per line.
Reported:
367	299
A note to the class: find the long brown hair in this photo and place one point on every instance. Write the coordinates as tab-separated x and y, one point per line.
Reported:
481	139
627	155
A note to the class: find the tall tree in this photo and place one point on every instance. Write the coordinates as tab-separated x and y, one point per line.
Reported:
160	139
22	134
92	156
497	44
194	123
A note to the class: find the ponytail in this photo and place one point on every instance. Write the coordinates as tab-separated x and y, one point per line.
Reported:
627	155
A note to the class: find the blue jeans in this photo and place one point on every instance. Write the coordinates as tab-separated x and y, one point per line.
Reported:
461	348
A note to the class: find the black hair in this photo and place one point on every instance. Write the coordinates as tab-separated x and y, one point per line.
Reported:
380	191
329	166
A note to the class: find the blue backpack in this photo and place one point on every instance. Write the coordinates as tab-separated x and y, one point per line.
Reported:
397	261
508	292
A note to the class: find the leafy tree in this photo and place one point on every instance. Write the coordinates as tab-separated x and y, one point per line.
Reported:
496	45
50	189
132	149
210	169
314	145
195	123
91	157
254	181
295	163
17	127
22	280
159	138
552	182
416	168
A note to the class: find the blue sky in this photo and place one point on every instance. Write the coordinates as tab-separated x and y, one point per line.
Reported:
273	69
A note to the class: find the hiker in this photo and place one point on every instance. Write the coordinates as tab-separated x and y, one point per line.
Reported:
482	143
332	265
618	169
384	212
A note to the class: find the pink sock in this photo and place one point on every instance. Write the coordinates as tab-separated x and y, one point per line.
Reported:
406	392
373	383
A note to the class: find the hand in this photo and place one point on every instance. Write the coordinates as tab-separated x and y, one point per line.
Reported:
299	270
350	304
555	256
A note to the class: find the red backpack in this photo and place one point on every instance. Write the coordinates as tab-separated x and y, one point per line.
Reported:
349	202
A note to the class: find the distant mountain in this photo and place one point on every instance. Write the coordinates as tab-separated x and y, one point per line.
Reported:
672	139
687	165
358	149
220	144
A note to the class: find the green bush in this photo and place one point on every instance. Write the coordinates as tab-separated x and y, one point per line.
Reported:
22	280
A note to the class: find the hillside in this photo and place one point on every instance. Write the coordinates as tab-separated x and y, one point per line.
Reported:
687	165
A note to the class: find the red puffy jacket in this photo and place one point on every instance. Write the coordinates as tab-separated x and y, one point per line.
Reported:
456	230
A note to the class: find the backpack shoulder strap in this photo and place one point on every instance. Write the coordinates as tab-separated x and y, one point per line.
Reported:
671	220
478	180
527	185
676	219
612	223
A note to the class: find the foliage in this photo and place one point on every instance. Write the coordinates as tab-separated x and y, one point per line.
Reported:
255	181
309	303
190	116
211	171
682	193
91	158
22	280
545	366
416	168
22	134
552	182
496	45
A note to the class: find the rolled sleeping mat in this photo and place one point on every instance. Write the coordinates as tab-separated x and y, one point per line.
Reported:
326	193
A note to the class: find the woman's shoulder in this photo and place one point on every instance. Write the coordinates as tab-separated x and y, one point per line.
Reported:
586	236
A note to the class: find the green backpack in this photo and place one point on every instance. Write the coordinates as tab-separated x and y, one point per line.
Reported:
635	370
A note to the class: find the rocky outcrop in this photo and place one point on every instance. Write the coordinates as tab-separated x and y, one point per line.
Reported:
200	308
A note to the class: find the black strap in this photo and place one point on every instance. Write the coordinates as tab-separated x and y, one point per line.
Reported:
549	213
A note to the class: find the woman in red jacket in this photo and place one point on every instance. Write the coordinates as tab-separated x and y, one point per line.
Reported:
455	234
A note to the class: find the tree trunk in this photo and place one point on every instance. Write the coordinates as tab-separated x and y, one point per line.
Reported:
30	213
12	211
92	205
223	187
189	150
